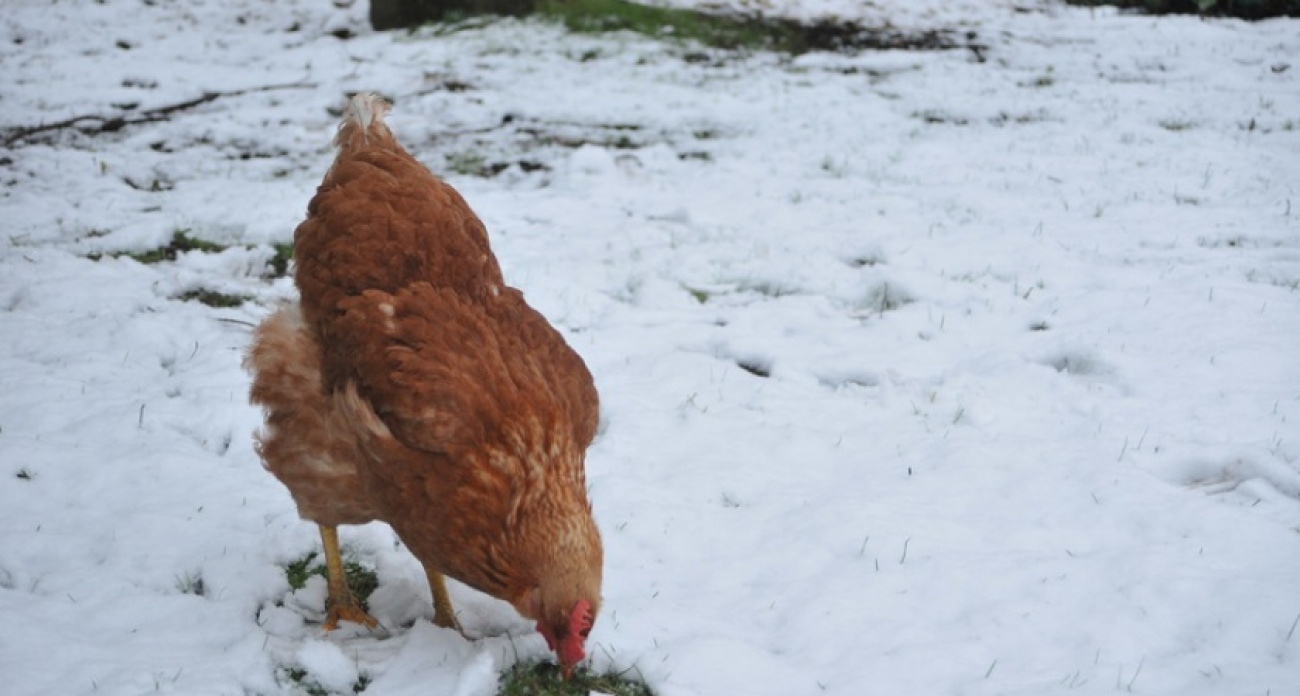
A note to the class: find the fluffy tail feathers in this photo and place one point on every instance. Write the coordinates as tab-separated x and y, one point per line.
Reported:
363	119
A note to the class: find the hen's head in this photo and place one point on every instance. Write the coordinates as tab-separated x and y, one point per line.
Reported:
566	600
568	636
560	559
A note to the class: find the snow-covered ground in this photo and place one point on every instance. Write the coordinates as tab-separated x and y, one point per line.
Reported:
921	374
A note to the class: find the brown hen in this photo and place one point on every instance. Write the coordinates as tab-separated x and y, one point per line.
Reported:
411	385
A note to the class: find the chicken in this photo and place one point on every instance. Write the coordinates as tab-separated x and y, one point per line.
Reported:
409	384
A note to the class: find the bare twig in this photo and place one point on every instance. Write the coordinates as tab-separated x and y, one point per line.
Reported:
112	124
1143	661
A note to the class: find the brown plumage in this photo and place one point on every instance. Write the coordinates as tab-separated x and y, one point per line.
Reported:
411	385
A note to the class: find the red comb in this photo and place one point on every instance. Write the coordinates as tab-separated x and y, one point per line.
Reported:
580	620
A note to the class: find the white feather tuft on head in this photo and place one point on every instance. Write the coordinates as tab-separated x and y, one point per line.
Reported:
364	109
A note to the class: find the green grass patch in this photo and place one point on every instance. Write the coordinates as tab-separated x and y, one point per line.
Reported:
1244	9
544	679
737	31
191	584
935	117
212	298
180	243
309	687
596	16
280	262
1176	125
361	580
702	296
302	679
468	163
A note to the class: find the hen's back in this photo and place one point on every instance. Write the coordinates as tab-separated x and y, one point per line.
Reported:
381	221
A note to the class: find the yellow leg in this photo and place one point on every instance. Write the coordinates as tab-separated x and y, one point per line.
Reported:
340	605
443	614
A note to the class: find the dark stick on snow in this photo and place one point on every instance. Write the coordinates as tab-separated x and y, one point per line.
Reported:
112	124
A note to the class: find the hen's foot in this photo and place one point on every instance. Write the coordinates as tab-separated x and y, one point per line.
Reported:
447	620
341	605
347	610
443	614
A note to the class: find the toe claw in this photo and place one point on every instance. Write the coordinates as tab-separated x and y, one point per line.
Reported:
349	612
447	620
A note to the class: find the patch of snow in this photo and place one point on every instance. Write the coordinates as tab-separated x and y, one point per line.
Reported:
327	666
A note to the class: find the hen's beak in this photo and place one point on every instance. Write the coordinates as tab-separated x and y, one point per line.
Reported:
566	671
